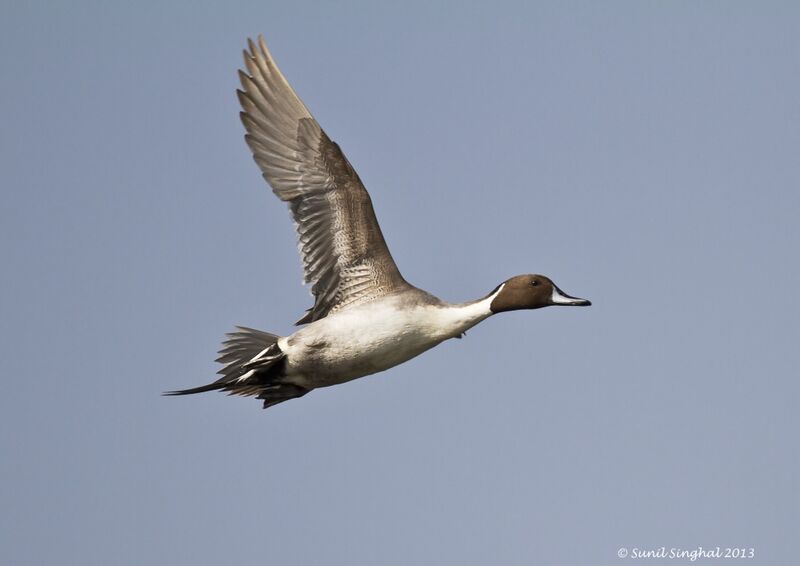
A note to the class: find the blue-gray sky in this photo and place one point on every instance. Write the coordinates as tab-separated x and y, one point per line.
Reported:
642	154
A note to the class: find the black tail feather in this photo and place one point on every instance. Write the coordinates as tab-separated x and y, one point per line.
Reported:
239	352
202	389
274	394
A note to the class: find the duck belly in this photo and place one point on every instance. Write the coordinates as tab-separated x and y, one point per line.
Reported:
361	341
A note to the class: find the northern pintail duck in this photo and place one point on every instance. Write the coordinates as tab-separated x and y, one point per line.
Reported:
366	318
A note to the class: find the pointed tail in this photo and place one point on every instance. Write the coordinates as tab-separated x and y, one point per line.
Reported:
250	357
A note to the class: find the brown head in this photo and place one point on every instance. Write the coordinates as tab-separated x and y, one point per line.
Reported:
531	292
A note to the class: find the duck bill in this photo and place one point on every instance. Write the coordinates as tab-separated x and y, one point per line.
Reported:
561	298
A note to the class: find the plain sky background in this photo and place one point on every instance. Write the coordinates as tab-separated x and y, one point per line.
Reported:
645	155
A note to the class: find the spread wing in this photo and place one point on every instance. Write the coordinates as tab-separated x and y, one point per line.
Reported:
344	255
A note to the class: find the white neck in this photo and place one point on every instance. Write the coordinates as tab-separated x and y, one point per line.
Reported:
466	315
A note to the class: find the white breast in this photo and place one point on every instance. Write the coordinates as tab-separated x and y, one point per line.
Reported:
373	337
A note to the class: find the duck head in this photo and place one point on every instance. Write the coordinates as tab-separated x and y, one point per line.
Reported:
531	292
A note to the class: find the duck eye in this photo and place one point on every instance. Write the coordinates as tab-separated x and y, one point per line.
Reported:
534	283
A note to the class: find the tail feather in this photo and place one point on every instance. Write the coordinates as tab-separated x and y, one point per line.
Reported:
275	394
250	357
202	389
243	347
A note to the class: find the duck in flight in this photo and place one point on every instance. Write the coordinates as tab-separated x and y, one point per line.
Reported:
366	318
